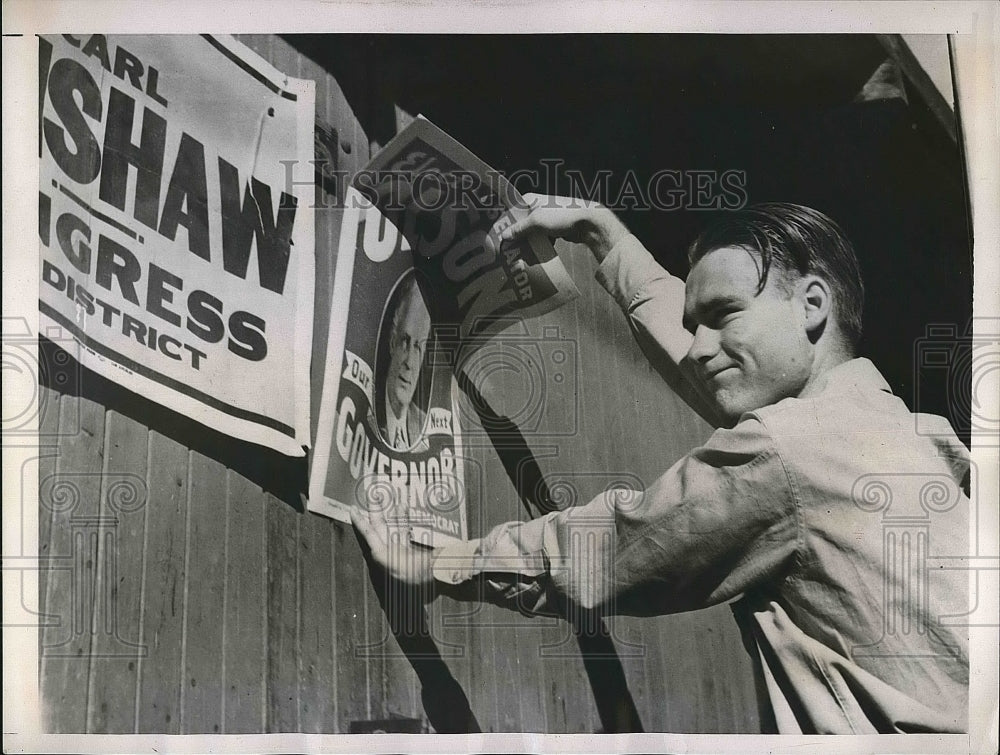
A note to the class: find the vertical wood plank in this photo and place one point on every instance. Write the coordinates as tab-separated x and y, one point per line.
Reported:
349	622
555	682
373	654
682	683
658	712
481	639
507	694
48	430
497	644
399	699
244	645
75	498
282	616
717	659
458	641
705	712
531	676
205	598
163	613
743	705
317	697
116	653
735	694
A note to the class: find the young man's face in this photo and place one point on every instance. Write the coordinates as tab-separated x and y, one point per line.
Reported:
750	350
407	344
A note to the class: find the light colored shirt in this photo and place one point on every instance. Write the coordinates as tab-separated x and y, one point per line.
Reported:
827	520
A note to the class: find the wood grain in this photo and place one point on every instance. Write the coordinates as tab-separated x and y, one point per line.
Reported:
244	643
205	599
160	672
117	649
317	697
283	654
74	497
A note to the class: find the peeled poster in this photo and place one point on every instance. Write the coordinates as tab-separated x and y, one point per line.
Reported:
174	248
416	292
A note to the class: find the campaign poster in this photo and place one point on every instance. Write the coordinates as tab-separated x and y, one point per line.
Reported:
416	291
388	435
176	244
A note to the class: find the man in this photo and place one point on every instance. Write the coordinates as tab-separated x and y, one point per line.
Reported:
400	420
798	505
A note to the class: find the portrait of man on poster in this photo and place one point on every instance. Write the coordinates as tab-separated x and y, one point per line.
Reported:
400	381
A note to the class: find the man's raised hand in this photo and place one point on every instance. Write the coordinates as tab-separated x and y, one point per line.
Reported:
569	218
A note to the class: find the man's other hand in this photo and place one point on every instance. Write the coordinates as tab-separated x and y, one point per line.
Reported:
388	545
575	220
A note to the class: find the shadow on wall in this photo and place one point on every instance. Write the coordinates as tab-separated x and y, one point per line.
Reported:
282	476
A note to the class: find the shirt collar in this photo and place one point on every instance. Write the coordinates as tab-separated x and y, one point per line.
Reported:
853	374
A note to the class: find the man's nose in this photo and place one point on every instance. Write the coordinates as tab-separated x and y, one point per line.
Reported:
705	344
409	356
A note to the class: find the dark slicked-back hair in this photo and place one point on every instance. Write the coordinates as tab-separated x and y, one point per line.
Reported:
797	241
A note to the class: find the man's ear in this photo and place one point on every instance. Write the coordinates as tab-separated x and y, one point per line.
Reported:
817	301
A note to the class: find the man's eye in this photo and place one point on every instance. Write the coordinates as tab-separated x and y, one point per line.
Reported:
723	316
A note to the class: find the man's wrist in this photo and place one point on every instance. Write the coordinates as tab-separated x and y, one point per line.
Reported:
603	230
454	563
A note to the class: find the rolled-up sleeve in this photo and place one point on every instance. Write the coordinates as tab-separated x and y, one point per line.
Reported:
721	520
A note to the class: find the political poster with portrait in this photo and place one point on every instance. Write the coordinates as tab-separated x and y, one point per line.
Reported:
416	291
176	243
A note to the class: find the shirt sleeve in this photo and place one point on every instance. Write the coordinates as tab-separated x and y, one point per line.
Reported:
721	520
653	303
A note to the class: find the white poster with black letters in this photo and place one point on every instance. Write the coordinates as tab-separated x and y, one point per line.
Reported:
173	247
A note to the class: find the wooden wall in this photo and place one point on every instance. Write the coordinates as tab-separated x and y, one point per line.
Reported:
189	593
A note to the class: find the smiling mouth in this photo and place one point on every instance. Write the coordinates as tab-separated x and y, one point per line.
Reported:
716	373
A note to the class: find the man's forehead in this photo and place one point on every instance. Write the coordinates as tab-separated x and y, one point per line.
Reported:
724	272
413	316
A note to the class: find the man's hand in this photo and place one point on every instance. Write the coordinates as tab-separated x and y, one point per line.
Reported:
572	219
389	547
